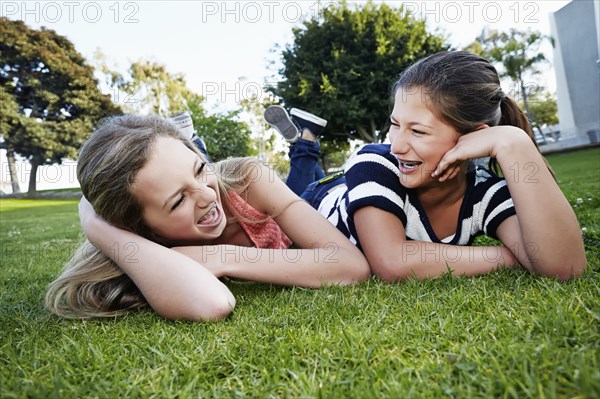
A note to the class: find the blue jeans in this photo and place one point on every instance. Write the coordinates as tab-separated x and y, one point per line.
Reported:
307	179
316	191
304	165
201	146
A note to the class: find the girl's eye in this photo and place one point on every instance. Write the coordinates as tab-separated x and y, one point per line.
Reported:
200	170
394	124
178	203
418	132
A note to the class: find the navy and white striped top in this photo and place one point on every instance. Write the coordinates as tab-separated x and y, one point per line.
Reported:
373	179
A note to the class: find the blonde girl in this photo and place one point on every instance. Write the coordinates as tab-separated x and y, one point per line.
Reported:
163	225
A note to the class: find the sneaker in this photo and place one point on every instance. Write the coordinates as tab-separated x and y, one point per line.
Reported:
277	116
306	120
183	121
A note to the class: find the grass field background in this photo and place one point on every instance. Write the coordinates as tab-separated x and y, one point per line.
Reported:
506	334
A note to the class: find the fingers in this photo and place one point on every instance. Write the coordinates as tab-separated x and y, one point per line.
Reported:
448	167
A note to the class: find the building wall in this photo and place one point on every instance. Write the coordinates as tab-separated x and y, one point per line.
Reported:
576	56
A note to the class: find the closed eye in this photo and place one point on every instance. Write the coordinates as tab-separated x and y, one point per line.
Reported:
197	174
200	170
178	203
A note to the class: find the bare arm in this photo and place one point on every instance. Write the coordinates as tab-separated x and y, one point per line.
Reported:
545	236
325	256
392	257
174	285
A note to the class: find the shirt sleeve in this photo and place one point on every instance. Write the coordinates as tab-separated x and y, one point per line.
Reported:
499	205
373	179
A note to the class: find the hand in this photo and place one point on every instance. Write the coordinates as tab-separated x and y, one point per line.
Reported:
485	142
87	216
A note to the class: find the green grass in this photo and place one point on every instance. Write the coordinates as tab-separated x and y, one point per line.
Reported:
506	334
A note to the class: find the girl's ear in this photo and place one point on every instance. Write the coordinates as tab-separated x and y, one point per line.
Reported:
484	126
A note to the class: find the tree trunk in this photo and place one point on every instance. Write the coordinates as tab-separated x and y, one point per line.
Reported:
14	179
35	163
364	135
524	94
541	134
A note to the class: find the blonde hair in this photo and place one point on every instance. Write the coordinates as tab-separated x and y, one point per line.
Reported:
91	284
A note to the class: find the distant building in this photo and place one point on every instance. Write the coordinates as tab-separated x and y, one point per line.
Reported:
576	30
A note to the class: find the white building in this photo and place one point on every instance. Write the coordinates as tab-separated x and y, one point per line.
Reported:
576	30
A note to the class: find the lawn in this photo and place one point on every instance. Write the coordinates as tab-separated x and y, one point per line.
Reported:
506	334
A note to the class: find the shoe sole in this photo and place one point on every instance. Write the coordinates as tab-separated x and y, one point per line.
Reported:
278	117
308	116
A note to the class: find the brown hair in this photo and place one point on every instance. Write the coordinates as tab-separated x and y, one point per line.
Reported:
465	91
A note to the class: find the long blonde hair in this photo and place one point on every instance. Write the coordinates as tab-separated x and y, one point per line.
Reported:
91	284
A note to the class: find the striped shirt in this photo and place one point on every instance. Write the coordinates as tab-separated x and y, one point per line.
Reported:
373	179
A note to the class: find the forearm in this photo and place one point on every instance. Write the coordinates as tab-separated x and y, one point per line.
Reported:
174	285
422	260
551	242
311	268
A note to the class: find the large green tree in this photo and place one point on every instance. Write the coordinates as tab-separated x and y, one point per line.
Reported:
51	100
518	52
342	63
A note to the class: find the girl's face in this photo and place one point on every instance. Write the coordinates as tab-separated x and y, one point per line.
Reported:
418	138
179	194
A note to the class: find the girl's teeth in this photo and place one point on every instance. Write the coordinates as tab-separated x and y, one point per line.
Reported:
210	215
410	165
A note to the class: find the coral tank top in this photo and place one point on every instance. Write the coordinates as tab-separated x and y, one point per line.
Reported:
267	234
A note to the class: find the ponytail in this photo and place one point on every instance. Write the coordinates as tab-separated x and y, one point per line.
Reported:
92	285
513	115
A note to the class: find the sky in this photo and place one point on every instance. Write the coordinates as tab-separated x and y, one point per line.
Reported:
224	48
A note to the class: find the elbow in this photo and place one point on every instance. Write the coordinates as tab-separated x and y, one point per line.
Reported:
361	271
572	271
358	274
217	310
389	271
355	269
213	310
564	270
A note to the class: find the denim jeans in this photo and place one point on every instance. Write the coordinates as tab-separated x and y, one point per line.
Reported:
316	191
307	179
200	145
304	165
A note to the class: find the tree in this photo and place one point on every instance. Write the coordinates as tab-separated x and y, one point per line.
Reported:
50	98
342	63
151	88
151	85
518	53
225	136
544	111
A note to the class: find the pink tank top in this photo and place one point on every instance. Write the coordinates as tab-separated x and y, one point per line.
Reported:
267	234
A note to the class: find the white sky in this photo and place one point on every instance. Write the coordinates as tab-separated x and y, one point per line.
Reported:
215	43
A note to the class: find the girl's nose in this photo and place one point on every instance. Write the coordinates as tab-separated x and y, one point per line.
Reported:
203	196
399	144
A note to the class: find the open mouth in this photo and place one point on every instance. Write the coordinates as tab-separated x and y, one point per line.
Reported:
212	217
409	165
